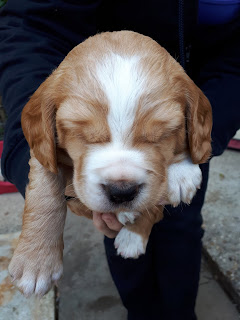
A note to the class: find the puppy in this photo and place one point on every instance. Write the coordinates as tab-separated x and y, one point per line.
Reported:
119	126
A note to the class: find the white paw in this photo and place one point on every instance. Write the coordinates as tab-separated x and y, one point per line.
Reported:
34	272
130	244
184	178
125	217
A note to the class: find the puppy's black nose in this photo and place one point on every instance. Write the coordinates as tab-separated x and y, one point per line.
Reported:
120	192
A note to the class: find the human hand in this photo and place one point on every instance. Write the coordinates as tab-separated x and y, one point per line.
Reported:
107	223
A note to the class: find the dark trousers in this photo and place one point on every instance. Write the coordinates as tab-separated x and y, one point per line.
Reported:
163	283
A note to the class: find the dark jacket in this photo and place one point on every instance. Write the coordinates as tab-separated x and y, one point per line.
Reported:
36	35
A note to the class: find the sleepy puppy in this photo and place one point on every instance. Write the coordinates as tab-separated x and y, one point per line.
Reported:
119	126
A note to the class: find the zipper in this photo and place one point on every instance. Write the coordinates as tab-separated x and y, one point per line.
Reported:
181	33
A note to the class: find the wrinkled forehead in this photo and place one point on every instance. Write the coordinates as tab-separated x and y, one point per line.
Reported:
121	91
135	93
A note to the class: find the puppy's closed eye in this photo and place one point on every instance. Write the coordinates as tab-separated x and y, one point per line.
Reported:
91	132
159	123
83	122
158	131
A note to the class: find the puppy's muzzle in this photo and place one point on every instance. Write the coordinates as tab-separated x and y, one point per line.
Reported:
119	192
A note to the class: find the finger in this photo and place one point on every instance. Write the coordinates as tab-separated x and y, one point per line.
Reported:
102	227
111	221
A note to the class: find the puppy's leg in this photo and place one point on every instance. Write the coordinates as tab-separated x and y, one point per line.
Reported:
184	178
132	239
37	260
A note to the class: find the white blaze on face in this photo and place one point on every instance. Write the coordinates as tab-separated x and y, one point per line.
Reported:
122	82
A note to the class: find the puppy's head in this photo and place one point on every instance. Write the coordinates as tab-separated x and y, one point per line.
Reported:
123	109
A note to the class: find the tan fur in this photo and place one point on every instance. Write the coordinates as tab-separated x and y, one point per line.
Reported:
59	138
143	225
40	246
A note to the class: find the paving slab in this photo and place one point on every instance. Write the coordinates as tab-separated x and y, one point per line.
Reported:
13	305
212	302
237	135
222	221
11	209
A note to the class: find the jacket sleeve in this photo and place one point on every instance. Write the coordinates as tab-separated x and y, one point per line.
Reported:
219	78
34	38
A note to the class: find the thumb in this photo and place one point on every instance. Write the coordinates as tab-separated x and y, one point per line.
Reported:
111	221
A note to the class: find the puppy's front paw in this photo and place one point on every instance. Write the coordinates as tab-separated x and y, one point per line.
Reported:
125	217
35	271
130	244
184	178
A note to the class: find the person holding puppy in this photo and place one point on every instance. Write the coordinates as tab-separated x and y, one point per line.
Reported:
35	37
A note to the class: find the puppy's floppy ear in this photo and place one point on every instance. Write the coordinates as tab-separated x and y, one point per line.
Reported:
38	124
199	124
